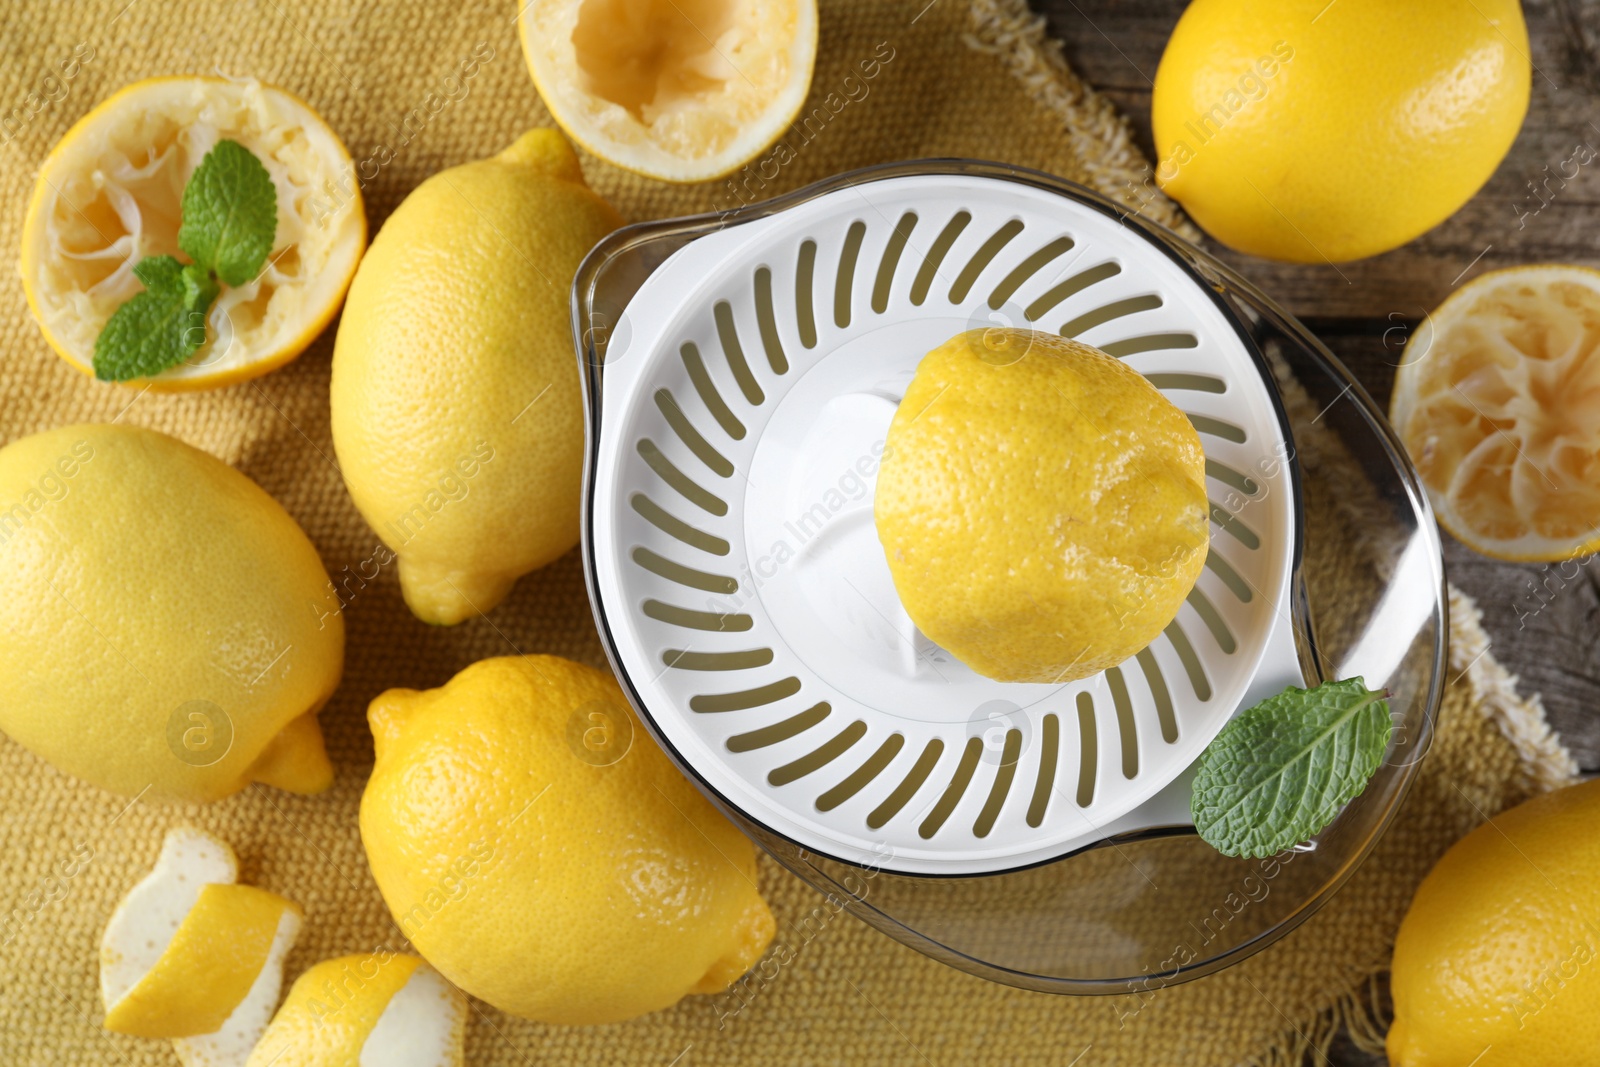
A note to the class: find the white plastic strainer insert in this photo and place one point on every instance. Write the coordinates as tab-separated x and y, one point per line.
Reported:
740	415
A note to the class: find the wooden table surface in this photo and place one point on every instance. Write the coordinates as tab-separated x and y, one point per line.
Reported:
1541	627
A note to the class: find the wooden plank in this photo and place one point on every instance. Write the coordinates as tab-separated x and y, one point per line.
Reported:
1543	623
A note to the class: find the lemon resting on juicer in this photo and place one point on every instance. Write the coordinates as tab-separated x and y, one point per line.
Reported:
169	628
457	409
1041	505
539	849
109	193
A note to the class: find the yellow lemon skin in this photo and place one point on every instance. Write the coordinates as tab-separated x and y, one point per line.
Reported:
457	413
1042	506
168	626
541	851
1497	963
334	1016
314	1028
209	967
1312	132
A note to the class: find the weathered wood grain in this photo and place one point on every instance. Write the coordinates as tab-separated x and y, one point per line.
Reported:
1544	623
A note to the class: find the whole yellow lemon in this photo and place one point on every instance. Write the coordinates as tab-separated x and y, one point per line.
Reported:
1042	506
1311	131
536	847
457	413
1497	963
168	627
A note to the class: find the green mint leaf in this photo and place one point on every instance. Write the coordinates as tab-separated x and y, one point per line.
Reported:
230	213
199	288
157	328
1282	770
159	272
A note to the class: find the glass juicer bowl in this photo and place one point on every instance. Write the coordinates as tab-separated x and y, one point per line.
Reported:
1155	905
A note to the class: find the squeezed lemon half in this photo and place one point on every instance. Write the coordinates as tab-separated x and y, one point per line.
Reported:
684	90
109	194
1497	400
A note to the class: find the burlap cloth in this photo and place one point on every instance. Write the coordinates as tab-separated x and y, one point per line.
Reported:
966	77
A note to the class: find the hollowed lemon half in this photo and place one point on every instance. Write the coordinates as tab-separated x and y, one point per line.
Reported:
684	90
1498	402
109	194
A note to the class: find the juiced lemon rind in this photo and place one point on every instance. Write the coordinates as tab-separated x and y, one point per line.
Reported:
1497	400
679	91
192	955
380	1009
109	194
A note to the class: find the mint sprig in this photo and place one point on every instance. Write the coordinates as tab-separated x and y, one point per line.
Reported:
1282	770
229	219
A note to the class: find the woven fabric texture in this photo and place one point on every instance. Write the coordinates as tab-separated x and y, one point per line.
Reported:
963	77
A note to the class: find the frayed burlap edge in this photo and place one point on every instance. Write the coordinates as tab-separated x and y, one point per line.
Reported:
1521	719
1358	1013
1100	135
